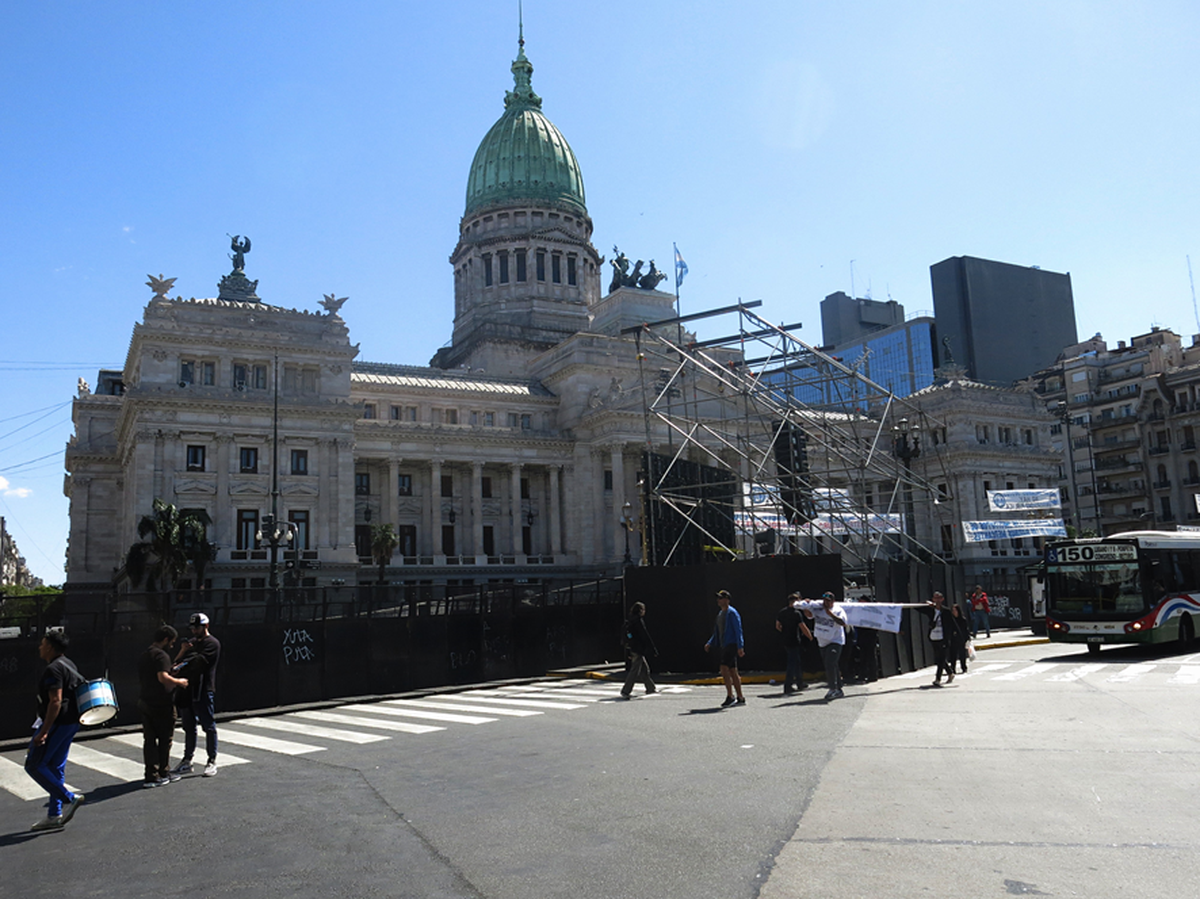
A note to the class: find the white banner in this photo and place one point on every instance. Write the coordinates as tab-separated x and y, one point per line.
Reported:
824	524
979	531
878	616
1023	500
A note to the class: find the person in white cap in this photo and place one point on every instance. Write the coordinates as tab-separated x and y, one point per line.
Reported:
197	664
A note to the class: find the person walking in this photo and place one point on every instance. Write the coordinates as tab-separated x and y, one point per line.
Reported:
829	626
730	645
641	647
941	625
55	728
196	663
959	636
981	611
790	624
156	703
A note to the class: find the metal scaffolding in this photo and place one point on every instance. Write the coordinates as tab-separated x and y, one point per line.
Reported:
831	476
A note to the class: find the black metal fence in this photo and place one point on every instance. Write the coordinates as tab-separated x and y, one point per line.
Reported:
326	643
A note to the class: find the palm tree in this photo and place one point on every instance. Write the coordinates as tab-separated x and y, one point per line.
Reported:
175	539
383	543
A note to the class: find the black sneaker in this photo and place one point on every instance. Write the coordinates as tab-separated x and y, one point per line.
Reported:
729	700
741	701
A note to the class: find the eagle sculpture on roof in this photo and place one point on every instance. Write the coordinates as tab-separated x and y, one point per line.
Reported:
331	304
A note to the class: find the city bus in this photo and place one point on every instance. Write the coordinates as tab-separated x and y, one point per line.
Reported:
1135	587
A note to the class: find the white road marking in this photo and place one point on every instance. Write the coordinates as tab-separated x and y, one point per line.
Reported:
405	727
458	707
977	668
269	744
1187	674
1067	677
113	765
135	740
489	696
389	707
1022	673
312	730
1133	672
14	779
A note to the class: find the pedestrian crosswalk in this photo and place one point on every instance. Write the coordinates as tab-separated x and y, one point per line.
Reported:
1147	673
303	732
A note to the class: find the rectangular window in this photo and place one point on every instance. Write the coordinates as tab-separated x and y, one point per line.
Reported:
448	540
406	534
485	487
308	380
571	270
513	419
369	410
362	541
411	413
608	481
556	269
526	422
195	458
260	377
187	372
487	270
503	268
489	419
248	460
541	265
1027	435
489	540
524	488
527	540
451	416
447	485
520	265
208	373
291	379
299	461
396	412
404	484
300	519
362	483
247	528
239	376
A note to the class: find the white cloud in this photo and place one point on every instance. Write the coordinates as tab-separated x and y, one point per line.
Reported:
19	492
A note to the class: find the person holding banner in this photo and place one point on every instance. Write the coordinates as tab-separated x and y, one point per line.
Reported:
981	610
829	626
731	645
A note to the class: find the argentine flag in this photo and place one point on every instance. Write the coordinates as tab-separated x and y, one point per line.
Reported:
681	268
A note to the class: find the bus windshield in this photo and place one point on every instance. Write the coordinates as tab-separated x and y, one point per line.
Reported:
1096	589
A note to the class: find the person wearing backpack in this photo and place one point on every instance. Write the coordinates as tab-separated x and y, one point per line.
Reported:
641	647
55	728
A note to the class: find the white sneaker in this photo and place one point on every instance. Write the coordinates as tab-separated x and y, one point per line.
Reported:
210	770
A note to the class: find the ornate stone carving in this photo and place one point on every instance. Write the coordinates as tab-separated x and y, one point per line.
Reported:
160	286
159	355
623	277
332	304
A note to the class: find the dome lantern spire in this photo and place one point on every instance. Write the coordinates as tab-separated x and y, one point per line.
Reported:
522	94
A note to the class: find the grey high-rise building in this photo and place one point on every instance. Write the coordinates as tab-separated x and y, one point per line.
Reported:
1004	321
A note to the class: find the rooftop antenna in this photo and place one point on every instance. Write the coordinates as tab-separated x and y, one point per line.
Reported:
1192	281
520	25
852	279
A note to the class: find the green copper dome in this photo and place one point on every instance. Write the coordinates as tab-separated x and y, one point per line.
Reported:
523	156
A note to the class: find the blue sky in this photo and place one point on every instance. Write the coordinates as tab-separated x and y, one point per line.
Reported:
775	142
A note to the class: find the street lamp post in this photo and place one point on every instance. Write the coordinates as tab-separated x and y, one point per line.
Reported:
906	446
627	525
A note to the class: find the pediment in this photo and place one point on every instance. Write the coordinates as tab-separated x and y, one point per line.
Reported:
193	487
247	488
299	490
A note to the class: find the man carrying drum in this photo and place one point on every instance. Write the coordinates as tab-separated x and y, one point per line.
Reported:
56	726
197	664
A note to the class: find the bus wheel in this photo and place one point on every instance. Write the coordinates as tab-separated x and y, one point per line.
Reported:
1093	649
1187	632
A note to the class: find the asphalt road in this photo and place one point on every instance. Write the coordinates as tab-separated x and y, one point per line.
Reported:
1042	772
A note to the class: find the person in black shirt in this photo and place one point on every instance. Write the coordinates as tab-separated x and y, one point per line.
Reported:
640	646
57	724
197	663
157	706
790	624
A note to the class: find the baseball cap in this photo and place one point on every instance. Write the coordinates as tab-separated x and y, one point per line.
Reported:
827	595
724	593
198	619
